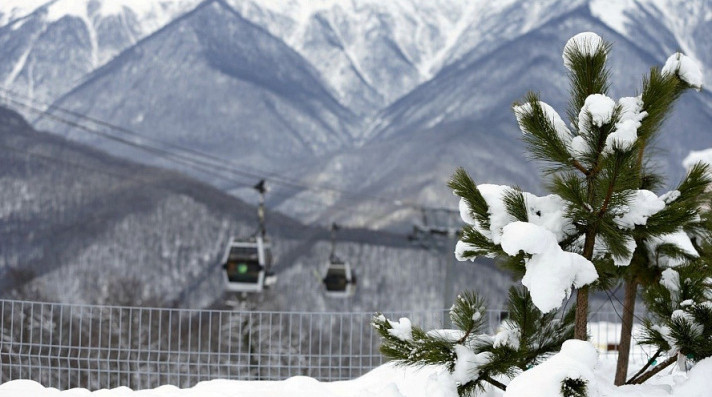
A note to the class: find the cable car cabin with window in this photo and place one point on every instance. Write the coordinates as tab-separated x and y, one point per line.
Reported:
247	262
339	280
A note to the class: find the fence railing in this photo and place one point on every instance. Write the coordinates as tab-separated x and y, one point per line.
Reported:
65	346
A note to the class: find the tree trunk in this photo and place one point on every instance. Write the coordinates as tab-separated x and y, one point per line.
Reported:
581	323
671	360
631	288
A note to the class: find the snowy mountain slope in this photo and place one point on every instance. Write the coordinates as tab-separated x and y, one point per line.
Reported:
79	226
499	75
421	162
686	25
47	47
151	15
213	81
370	52
492	24
373	52
463	117
11	10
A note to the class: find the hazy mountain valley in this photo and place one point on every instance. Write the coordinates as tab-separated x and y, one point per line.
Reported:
82	227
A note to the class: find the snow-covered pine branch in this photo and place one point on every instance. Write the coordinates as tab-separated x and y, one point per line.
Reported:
476	359
680	320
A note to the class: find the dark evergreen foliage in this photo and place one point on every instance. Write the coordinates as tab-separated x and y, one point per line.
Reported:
573	388
533	335
680	320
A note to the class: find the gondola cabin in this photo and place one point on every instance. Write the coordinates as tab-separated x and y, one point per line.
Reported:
339	281
245	265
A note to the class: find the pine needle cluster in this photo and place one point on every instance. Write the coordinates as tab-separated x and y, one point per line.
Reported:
525	338
679	324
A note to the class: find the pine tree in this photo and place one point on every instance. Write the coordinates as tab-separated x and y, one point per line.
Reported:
666	240
601	223
680	322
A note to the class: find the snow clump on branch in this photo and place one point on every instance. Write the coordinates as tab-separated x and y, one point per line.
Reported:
547	211
643	205
550	113
670	279
587	43
508	335
626	131
599	108
402	329
680	239
467	364
686	69
576	360
550	271
698	156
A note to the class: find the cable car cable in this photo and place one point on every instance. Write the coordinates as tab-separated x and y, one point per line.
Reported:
273	176
175	157
172	157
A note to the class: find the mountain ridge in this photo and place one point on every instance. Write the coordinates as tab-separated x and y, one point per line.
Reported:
657	27
450	98
279	92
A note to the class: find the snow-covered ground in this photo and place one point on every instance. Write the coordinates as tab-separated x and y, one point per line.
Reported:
385	381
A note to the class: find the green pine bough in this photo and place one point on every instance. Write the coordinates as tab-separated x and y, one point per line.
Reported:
524	339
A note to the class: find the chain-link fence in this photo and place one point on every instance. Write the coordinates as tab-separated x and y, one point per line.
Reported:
94	347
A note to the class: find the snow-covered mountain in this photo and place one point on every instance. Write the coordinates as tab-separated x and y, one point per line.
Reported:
48	47
214	81
371	52
374	52
370	97
462	116
380	101
664	25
